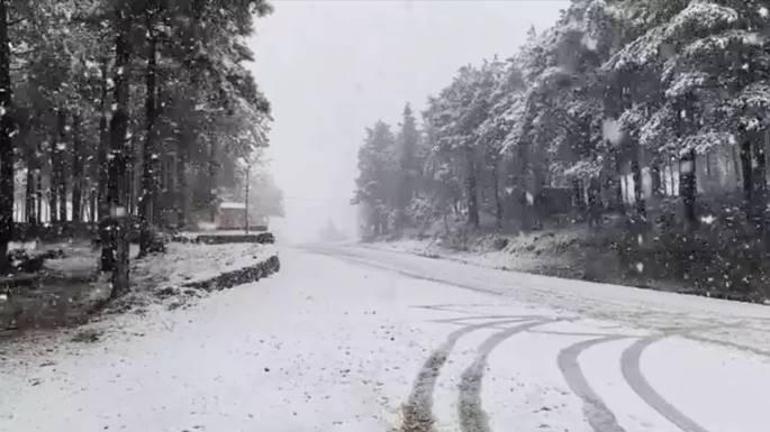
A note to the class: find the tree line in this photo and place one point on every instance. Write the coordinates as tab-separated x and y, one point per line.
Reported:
107	104
620	104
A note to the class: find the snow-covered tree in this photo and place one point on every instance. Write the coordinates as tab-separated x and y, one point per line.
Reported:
378	180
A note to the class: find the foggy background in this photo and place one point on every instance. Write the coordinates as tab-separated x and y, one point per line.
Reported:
330	68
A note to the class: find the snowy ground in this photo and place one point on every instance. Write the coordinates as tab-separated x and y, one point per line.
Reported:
355	339
72	287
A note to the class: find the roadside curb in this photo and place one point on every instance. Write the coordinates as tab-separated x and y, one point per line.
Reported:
238	277
214	239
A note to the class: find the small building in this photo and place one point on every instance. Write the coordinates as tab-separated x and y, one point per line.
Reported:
232	215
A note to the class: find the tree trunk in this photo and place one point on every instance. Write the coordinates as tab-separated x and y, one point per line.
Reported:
496	191
759	199
6	142
212	181
657	179
53	180
577	191
473	193
522	185
61	184
29	195
748	184
39	197
117	241
639	199
618	184
594	202
181	184
92	205
688	185
149	156
107	258
77	169
30	192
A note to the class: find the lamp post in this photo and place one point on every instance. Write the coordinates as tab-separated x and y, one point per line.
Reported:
246	207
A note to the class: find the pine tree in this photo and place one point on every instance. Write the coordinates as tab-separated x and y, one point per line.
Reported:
377	183
6	142
408	142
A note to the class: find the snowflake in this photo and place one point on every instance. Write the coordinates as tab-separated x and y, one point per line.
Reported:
589	42
611	131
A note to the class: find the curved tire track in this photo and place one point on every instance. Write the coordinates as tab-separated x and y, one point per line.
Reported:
472	415
418	411
595	411
463	319
632	372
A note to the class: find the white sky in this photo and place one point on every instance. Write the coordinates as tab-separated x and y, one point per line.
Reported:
332	68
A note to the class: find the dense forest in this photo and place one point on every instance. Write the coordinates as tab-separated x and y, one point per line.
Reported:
124	114
647	115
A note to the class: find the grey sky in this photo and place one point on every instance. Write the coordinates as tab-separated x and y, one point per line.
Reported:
332	68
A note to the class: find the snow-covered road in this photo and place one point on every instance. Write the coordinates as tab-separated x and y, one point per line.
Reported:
356	339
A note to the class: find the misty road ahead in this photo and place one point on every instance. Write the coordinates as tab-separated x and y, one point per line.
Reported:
349	338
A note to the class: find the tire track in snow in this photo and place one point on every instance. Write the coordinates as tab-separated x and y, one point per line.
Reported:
353	259
418	411
595	411
462	320
632	372
728	344
471	413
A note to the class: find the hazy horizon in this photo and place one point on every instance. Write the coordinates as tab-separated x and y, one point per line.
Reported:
333	68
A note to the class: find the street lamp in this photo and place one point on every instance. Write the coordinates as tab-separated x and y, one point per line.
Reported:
247	162
246	207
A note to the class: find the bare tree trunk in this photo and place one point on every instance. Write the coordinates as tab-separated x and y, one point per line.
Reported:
212	165
594	202
61	184
107	258
759	199
30	192
77	169
149	156
618	184
39	196
496	191
53	180
577	191
748	183
522	183
29	195
92	205
688	185
6	142
181	184
117	243
657	181
754	185
472	184
639	199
